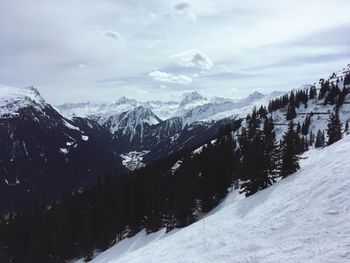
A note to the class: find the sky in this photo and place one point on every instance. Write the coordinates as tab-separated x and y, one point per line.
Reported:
100	50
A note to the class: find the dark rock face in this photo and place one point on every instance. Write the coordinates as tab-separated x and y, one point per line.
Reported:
43	155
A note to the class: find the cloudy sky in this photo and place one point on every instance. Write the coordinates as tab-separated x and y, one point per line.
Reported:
153	49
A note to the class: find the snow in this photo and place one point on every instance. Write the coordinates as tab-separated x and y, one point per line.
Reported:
85	137
130	121
176	166
303	218
133	160
12	99
70	126
64	150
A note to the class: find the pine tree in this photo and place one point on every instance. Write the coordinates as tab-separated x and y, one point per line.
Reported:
291	113
346	129
332	96
341	97
347	79
334	128
312	93
289	160
324	89
298	130
259	156
311	138
271	155
320	140
306	125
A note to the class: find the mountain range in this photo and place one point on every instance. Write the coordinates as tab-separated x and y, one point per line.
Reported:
48	150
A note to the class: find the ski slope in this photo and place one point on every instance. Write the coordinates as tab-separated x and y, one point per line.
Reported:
303	218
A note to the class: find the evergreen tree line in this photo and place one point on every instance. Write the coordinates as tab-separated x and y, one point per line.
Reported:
261	160
330	93
151	198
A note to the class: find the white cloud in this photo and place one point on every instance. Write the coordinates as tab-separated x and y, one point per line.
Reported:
169	77
247	45
194	59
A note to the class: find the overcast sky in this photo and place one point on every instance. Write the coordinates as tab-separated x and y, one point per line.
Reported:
100	50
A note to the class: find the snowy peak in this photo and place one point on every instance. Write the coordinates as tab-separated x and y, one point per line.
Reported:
256	95
219	100
13	99
125	100
193	97
131	121
144	115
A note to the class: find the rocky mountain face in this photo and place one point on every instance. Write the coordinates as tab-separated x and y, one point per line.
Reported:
43	154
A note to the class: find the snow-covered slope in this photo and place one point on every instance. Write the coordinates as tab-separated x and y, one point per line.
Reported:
13	99
304	218
131	121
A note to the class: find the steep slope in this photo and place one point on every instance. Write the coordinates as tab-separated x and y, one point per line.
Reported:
42	154
303	218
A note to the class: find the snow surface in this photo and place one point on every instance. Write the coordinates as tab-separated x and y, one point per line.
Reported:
12	99
303	218
133	160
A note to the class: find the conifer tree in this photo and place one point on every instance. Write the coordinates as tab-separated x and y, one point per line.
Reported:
341	97
346	129
347	79
271	155
306	125
298	130
334	128
312	93
291	113
289	160
311	138
320	140
259	156
324	89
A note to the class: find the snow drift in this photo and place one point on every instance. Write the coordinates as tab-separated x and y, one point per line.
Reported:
303	218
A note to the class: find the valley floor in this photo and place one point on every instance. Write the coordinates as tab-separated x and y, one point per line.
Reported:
304	218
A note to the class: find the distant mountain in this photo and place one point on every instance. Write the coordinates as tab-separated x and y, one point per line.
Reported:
143	136
192	99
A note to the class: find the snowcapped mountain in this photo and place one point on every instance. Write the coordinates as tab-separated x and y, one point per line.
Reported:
12	100
131	122
141	132
192	99
43	154
303	218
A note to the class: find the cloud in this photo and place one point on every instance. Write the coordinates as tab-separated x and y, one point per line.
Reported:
246	45
182	6
113	34
169	77
194	59
184	9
